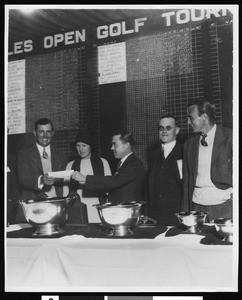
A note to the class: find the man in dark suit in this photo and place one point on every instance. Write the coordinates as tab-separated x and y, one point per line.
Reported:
165	174
35	162
125	184
207	164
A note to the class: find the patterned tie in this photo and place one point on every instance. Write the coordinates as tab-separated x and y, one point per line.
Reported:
117	167
45	155
203	142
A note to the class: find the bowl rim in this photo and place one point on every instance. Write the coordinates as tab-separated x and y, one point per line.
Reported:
48	200
216	221
191	213
118	205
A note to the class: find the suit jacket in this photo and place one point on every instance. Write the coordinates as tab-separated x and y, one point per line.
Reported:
165	186
30	168
125	185
221	164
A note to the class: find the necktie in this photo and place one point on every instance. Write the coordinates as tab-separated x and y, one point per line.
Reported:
117	167
45	155
203	142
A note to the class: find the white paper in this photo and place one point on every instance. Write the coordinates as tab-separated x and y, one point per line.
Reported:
112	63
61	174
179	164
16	97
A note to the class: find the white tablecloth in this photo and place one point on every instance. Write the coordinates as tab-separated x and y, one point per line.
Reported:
78	264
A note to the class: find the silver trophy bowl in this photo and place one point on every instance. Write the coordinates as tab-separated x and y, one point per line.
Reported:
120	218
193	220
47	216
224	227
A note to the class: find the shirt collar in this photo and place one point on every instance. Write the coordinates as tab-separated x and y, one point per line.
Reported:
168	146
125	157
41	149
211	134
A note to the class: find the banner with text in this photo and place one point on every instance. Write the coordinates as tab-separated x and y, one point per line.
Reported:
158	20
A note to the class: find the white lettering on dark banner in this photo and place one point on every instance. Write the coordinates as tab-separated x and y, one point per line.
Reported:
167	19
21	47
117	29
67	38
186	15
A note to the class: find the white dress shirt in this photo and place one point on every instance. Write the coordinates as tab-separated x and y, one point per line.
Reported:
41	149
205	192
168	148
52	192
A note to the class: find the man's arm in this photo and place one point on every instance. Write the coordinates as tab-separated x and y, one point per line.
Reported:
106	183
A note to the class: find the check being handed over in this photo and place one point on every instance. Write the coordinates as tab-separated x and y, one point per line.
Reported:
61	174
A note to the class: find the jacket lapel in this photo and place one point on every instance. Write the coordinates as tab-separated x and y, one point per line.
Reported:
173	155
54	159
35	157
218	140
127	160
56	166
194	153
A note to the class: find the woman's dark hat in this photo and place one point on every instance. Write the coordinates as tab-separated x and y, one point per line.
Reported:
84	136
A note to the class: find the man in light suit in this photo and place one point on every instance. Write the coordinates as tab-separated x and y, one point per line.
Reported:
207	164
165	174
126	183
35	162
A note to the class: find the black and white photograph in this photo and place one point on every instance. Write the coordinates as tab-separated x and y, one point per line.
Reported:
121	150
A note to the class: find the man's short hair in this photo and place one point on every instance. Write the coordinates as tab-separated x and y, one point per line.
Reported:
126	137
168	115
204	107
43	121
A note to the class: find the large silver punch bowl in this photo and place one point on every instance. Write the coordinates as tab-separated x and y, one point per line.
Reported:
120	218
47	216
224	227
193	220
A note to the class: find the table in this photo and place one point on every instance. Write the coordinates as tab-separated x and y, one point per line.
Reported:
75	263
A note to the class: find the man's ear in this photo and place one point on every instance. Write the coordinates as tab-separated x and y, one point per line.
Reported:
177	130
34	132
205	117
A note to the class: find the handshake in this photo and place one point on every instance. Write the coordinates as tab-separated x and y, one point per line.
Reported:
79	177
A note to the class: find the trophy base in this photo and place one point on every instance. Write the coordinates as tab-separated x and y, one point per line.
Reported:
47	229
121	231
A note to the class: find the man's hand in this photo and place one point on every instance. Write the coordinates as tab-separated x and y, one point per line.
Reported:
77	176
47	180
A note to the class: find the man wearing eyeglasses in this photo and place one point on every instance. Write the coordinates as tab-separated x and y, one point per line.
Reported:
165	174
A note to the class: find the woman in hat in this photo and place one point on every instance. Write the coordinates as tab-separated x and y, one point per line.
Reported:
87	163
